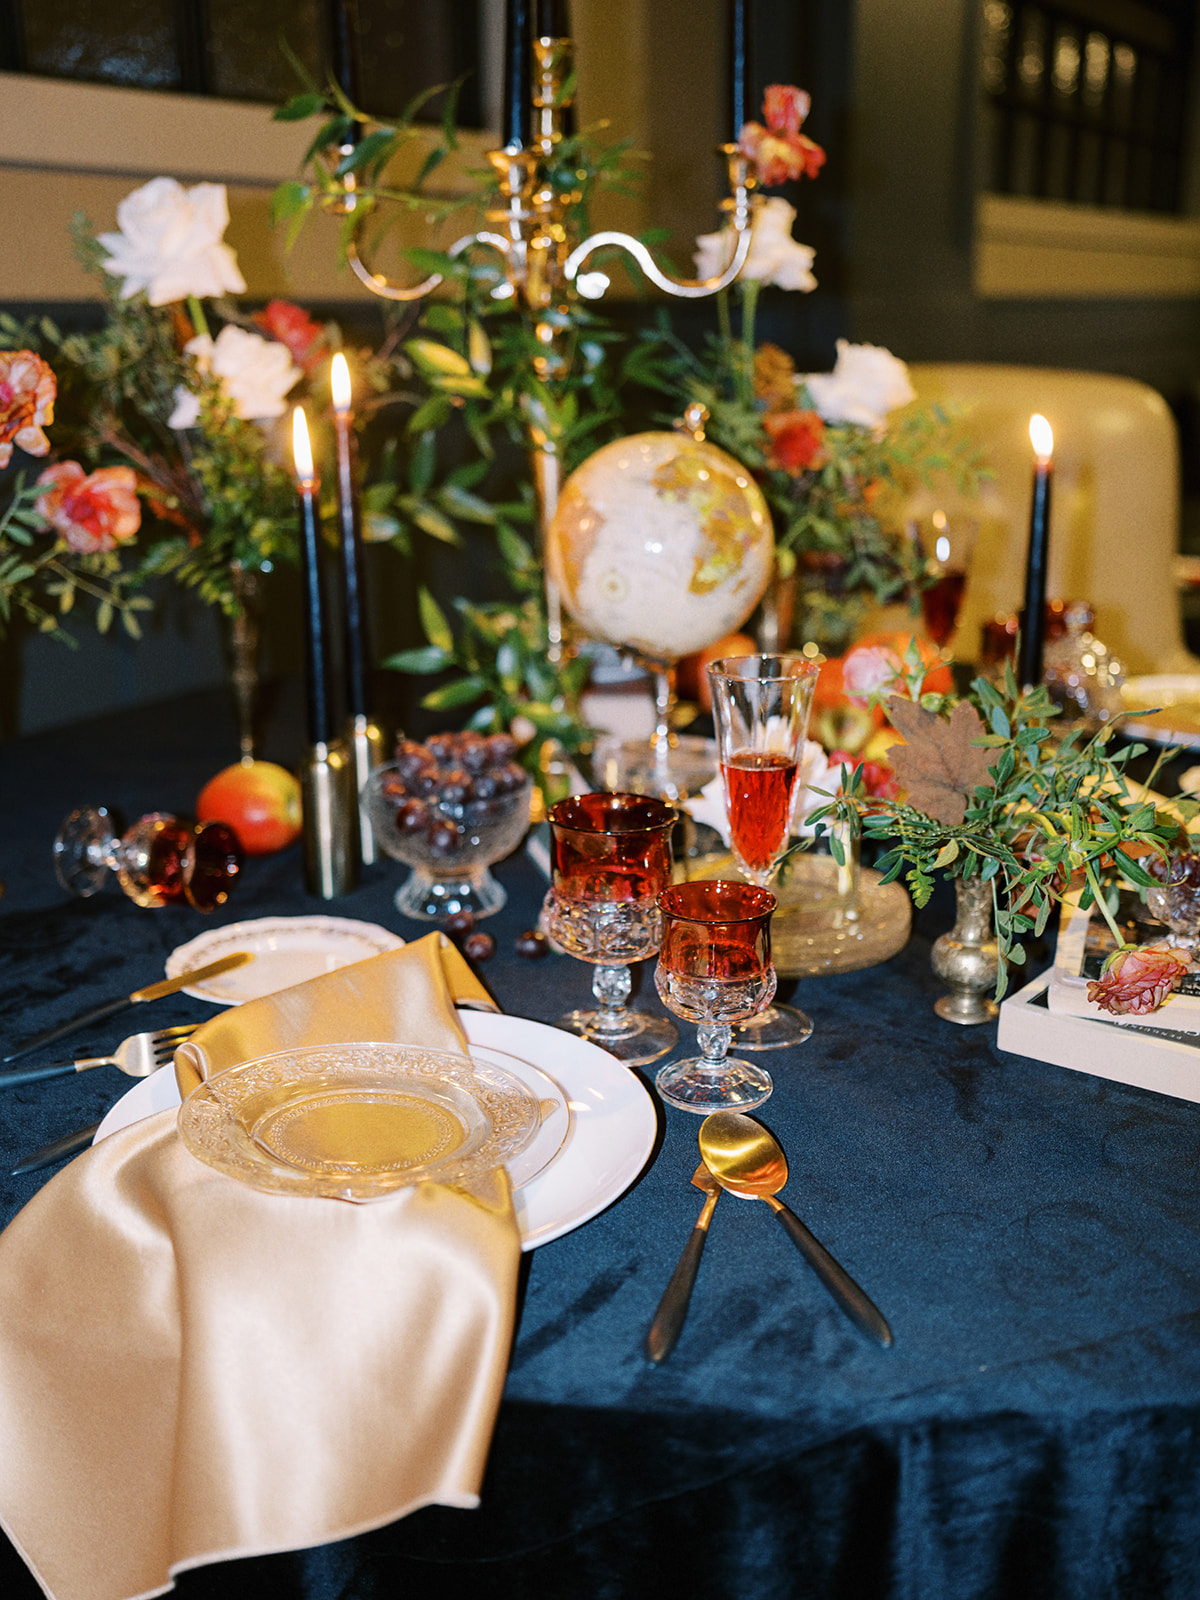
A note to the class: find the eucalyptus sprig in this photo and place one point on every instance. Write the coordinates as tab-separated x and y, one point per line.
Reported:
991	792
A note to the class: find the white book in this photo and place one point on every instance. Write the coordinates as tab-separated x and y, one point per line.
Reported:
1149	1056
1084	942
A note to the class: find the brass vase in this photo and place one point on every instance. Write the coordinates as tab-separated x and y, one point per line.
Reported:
967	958
242	646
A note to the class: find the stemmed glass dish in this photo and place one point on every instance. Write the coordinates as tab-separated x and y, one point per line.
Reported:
761	706
715	969
160	860
610	859
450	830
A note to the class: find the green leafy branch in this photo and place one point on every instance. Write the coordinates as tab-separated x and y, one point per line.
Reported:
1057	813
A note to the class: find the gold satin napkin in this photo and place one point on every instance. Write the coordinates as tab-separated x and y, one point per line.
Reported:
194	1371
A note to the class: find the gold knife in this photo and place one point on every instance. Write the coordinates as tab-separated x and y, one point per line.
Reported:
672	1308
153	991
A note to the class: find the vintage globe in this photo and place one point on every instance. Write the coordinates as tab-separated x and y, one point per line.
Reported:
661	544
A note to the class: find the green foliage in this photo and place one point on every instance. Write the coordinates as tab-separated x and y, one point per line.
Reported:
1058	812
837	522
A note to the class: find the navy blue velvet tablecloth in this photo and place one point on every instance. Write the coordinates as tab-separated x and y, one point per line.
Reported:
1032	1233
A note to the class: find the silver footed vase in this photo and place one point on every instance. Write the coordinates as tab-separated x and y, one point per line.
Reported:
967	959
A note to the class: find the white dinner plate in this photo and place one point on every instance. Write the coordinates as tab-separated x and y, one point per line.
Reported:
609	1137
1178	720
286	950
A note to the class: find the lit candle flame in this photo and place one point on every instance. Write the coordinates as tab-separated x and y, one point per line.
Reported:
301	449
339	379
1041	437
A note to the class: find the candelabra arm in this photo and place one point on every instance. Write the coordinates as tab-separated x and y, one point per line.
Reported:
681	288
386	290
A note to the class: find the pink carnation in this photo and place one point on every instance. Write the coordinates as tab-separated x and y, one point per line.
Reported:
1137	980
91	511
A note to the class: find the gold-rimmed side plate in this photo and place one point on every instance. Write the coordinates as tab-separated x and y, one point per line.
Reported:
359	1121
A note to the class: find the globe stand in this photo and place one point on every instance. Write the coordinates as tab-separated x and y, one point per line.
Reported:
670	765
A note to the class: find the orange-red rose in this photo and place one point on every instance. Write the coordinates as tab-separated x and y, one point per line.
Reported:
27	391
797	440
779	151
90	511
293	327
1138	980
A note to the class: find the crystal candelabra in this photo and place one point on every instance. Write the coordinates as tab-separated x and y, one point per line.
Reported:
531	229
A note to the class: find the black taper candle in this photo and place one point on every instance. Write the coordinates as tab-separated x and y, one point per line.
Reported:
343	46
320	723
351	548
518	74
552	20
739	64
1033	617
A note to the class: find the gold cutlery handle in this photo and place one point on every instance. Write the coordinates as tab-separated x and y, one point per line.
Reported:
673	1307
861	1310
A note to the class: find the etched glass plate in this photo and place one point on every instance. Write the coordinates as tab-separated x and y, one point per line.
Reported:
358	1121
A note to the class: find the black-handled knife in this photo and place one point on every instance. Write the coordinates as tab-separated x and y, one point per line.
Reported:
57	1149
154	991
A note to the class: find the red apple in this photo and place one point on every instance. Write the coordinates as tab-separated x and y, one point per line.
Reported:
259	800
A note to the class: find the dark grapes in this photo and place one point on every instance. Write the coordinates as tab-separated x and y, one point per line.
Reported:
480	946
533	944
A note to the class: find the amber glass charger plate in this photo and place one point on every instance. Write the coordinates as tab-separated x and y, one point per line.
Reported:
357	1122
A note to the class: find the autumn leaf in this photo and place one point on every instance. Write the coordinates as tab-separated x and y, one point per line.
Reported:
939	766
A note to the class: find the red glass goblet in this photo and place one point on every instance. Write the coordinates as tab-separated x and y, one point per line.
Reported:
714	968
610	859
161	860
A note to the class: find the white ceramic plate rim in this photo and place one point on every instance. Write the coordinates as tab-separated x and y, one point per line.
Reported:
335	935
611	1132
1165	687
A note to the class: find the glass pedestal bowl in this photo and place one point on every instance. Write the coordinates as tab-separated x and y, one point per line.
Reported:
449	840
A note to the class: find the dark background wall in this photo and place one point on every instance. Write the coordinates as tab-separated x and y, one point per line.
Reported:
898	106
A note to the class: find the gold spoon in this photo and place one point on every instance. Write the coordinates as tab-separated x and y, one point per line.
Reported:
745	1159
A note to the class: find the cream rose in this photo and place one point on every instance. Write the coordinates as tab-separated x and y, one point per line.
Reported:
775	257
866	383
256	373
171	243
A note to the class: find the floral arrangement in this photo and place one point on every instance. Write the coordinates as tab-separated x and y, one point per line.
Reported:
175	404
60	536
835	453
984	790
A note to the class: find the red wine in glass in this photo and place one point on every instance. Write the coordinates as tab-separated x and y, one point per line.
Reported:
941	604
759	785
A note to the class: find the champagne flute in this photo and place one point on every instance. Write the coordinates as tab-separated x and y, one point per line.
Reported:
610	859
761	706
160	860
715	969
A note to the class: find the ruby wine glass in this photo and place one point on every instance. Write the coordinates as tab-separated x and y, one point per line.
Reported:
160	860
761	706
610	859
715	969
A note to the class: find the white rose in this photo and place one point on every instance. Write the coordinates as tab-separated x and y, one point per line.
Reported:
187	409
775	257
256	374
866	383
171	242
